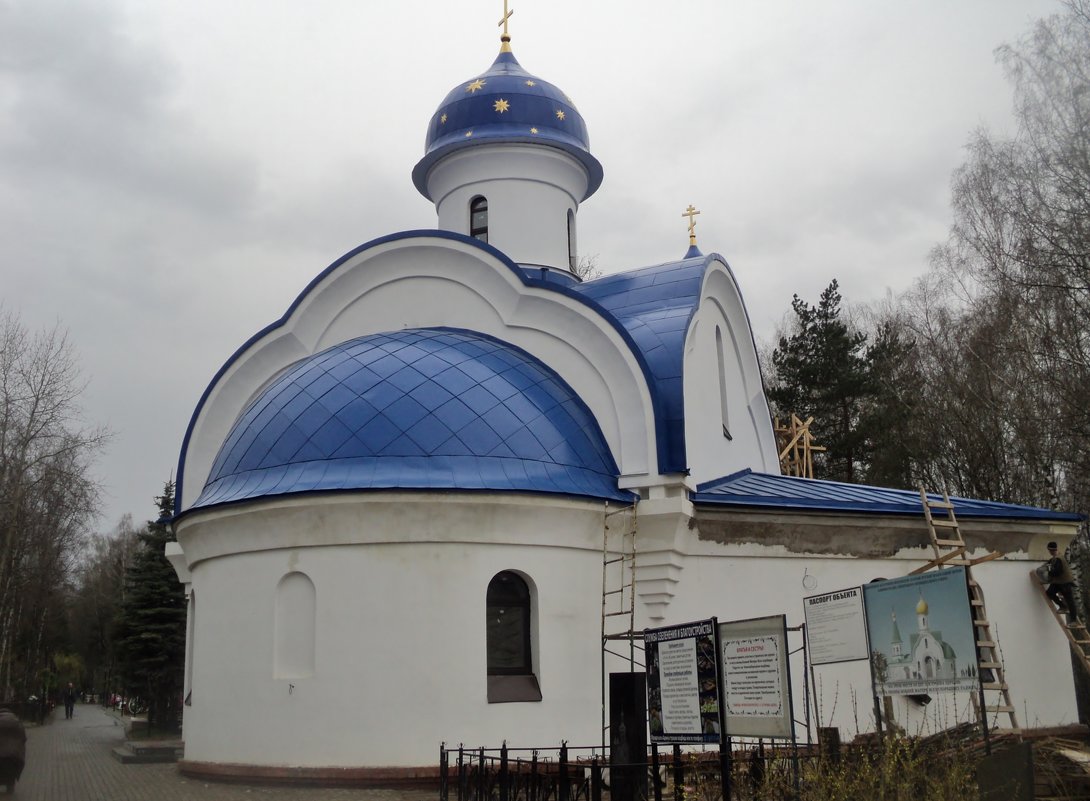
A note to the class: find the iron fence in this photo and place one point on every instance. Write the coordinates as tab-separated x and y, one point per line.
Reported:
574	773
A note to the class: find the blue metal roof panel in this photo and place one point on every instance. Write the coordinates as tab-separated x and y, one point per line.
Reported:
655	305
750	489
402	417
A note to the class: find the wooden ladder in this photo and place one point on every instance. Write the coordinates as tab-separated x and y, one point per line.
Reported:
949	548
1076	633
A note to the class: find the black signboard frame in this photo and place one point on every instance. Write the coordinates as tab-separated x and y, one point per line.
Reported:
691	675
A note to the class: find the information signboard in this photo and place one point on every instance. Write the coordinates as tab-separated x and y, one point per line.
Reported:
756	687
682	690
836	627
922	637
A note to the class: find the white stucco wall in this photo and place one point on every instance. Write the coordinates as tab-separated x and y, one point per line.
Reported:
529	189
734	582
400	661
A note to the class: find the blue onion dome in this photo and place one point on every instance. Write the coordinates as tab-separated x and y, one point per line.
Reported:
507	104
427	408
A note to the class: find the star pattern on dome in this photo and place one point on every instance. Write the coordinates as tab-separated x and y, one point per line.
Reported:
533	130
501	104
469	134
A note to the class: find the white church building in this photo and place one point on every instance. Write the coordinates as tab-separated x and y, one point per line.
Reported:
390	501
928	655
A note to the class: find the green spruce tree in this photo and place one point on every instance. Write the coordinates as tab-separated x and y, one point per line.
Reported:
894	441
151	630
822	371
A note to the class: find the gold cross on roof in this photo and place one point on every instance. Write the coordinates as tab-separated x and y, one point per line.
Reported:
506	37
691	213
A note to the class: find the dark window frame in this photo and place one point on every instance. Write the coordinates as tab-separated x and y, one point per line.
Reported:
572	260
514	680
478	228
720	356
509	596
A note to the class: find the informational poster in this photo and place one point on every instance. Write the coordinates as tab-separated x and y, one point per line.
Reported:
756	689
682	690
921	632
836	627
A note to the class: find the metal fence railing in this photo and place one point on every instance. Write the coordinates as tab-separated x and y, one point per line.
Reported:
571	773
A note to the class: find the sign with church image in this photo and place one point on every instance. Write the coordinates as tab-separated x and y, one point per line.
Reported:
682	685
921	632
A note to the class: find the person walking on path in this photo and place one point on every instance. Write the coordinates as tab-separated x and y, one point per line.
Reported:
1061	588
69	695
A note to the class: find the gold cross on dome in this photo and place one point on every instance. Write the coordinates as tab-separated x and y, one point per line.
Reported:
505	47
506	16
691	213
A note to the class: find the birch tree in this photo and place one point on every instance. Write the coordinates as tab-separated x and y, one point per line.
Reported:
47	497
1019	251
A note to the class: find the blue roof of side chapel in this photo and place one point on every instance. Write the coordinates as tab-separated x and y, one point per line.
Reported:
765	490
432	408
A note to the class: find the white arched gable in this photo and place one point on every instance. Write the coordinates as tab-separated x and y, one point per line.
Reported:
727	423
428	280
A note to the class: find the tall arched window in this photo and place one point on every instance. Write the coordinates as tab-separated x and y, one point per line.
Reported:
295	614
722	382
572	260
478	218
190	640
509	615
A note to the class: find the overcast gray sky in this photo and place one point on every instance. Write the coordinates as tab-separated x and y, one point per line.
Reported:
173	172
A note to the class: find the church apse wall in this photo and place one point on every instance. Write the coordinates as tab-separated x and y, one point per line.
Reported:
400	652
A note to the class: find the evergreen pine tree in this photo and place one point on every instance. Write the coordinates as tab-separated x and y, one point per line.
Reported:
894	442
822	370
151	630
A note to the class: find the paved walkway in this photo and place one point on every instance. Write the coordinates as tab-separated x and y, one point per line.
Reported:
72	760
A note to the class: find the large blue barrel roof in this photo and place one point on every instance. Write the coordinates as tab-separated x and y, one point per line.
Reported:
430	408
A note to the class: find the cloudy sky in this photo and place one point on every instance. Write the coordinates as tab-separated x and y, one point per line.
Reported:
173	172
